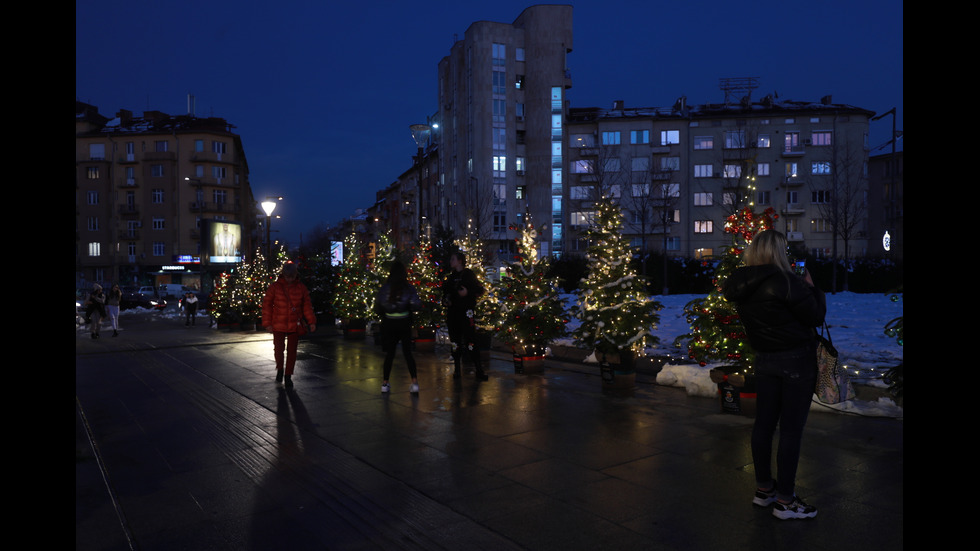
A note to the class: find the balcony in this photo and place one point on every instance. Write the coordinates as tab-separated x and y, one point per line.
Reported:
130	234
793	181
794	236
129	182
129	210
794	150
794	208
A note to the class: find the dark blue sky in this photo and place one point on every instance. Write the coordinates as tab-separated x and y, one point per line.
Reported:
322	92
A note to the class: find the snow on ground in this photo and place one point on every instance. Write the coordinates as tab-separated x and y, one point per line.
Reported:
856	321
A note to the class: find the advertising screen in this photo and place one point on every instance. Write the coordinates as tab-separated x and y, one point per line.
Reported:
223	242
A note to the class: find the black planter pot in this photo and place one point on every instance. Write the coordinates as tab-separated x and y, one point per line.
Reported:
618	371
736	389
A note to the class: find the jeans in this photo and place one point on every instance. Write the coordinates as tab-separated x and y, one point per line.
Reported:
392	331
785	383
289	341
462	333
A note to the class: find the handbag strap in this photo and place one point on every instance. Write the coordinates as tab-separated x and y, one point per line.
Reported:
827	329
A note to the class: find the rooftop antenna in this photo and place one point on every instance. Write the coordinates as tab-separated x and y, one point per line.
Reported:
739	88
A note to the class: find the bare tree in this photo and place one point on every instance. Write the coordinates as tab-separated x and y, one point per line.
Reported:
652	202
847	208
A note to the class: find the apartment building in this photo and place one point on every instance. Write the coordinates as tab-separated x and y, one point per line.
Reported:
499	129
679	172
158	198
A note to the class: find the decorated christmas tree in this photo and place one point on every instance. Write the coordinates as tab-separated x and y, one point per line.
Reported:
380	266
354	290
424	275
532	313
219	303
252	279
717	334
487	306
617	316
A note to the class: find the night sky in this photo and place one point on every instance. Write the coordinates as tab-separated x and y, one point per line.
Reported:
322	93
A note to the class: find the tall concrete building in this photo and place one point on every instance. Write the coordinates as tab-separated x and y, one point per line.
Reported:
158	198
500	134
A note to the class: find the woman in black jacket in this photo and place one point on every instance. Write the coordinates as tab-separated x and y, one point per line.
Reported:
779	310
396	301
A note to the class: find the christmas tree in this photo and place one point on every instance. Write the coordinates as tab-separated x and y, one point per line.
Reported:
532	312
487	306
380	266
219	303
250	282
355	285
424	275
617	316
716	331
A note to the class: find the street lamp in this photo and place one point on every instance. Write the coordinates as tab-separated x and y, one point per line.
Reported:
420	133
268	206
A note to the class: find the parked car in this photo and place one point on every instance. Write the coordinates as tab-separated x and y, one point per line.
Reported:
147	291
134	297
173	290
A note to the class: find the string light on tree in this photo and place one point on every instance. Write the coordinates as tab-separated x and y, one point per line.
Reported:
717	333
532	312
616	312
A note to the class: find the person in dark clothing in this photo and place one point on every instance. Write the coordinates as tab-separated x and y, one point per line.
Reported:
190	308
396	301
779	310
460	291
96	309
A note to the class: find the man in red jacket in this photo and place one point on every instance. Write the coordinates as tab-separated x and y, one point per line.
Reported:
286	302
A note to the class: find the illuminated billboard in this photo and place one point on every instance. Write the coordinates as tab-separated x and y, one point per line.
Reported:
222	243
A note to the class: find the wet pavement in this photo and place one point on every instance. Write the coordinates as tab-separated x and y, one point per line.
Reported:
183	441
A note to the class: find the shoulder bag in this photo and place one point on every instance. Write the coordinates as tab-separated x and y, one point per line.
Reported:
833	384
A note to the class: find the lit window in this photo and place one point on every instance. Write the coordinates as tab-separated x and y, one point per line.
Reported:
704	142
669	137
703	226
610	138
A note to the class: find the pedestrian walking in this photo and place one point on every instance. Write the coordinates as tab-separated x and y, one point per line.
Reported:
460	291
190	308
396	301
285	307
96	309
112	307
780	311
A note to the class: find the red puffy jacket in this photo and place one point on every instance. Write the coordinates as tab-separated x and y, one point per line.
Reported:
283	305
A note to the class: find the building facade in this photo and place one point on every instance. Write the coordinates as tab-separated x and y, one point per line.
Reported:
500	129
158	198
679	172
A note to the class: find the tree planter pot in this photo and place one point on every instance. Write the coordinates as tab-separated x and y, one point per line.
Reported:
618	371
528	359
425	339
736	389
355	329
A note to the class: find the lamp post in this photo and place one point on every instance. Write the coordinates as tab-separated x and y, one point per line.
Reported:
420	133
268	206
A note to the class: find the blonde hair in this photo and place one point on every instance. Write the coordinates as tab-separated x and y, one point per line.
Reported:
768	247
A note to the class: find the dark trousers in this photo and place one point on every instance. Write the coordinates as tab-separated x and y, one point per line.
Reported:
784	389
288	342
462	333
392	331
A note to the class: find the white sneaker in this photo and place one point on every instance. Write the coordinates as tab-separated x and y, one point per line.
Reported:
414	389
385	387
